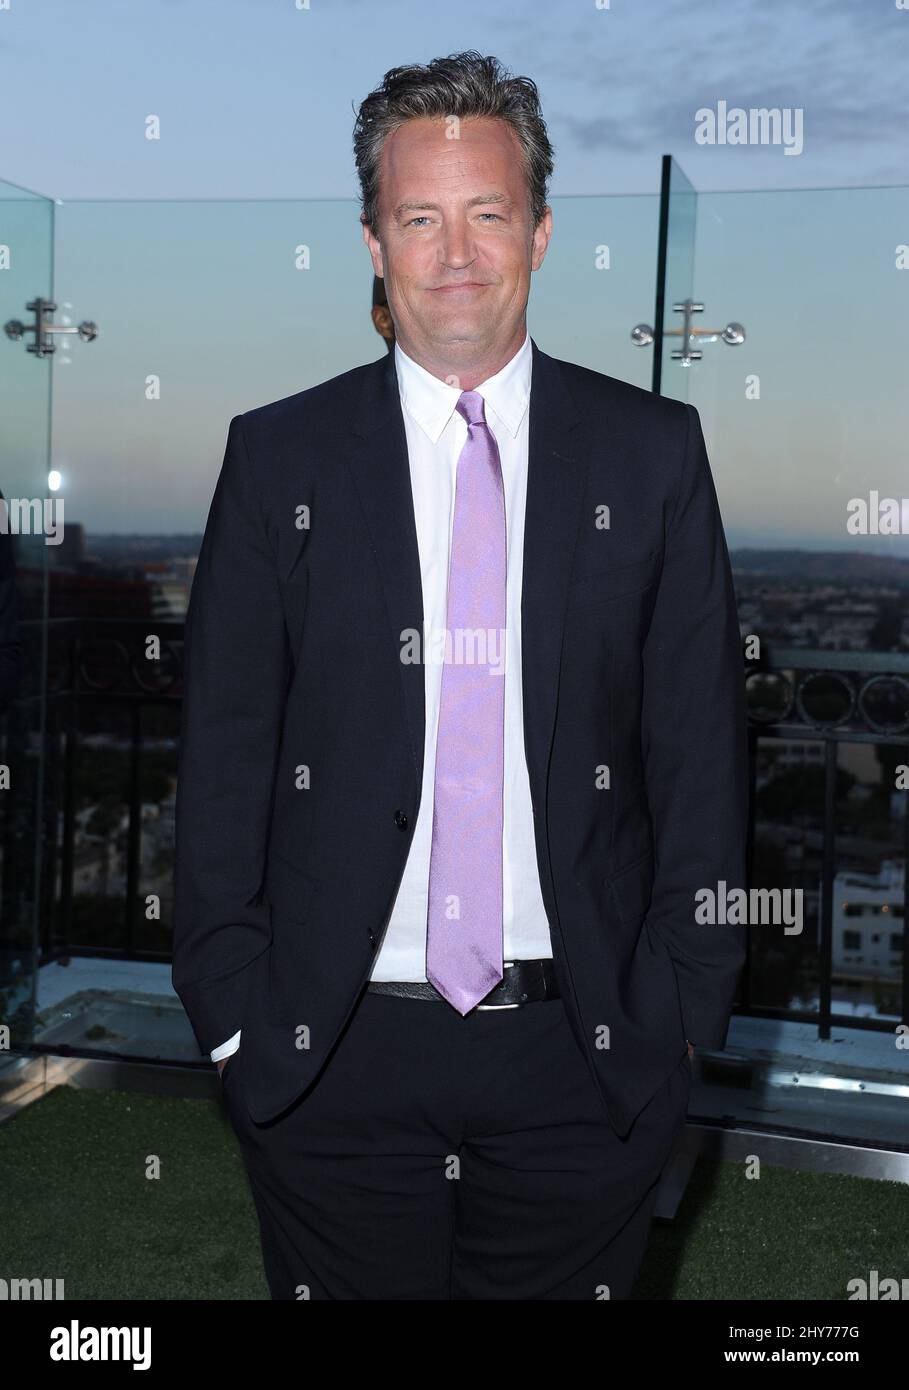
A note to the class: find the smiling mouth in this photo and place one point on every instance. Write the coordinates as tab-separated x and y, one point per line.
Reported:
453	289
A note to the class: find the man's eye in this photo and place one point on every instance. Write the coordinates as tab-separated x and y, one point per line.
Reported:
421	218
491	214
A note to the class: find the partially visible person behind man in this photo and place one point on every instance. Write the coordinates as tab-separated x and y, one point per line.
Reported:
381	314
10	645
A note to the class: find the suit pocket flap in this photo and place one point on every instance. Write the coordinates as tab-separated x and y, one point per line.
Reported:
632	888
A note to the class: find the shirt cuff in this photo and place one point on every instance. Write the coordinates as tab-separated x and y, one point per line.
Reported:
226	1048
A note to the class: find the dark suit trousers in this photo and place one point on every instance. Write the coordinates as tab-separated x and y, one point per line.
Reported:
441	1157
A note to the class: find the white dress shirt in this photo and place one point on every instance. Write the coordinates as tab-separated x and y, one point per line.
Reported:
436	434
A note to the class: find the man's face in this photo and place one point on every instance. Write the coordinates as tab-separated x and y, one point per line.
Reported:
456	245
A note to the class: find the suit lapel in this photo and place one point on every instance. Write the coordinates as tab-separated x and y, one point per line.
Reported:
381	472
556	473
557	468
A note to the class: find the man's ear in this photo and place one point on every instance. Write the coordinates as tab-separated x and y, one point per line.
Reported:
541	238
374	246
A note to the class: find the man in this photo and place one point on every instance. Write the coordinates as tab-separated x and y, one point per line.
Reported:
463	737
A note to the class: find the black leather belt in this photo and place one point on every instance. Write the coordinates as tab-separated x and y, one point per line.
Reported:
523	982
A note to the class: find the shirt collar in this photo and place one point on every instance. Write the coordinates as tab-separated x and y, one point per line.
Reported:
431	403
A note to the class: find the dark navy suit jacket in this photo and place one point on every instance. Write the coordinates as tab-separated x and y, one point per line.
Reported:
631	662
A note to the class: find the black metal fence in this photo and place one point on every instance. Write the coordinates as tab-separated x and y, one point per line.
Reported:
831	699
110	750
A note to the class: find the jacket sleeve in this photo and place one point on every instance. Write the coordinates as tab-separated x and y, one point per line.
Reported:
235	677
695	749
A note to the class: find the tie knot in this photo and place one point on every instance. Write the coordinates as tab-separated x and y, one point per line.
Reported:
472	407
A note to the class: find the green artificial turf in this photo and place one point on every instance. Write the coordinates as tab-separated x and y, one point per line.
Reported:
785	1235
77	1204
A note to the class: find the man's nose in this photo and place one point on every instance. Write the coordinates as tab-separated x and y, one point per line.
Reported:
457	245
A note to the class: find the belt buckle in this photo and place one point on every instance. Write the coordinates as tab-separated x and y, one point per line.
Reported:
505	964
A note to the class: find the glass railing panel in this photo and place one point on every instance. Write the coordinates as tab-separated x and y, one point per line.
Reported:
806	423
26	245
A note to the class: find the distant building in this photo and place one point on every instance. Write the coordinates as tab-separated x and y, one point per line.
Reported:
797	752
70	553
868	923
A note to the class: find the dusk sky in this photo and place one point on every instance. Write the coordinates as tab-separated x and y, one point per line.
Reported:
185	256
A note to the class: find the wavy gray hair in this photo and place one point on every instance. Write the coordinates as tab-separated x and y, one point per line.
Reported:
464	85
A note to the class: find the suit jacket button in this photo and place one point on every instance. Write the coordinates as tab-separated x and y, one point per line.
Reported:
372	936
401	820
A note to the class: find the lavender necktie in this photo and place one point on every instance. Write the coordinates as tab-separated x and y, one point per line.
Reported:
464	925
